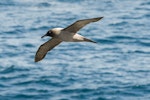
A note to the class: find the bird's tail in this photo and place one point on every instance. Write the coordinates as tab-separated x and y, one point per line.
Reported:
88	40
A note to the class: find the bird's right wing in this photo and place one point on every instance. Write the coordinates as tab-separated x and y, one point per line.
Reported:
44	48
76	26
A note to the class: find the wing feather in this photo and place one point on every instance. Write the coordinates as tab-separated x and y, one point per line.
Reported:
44	48
76	26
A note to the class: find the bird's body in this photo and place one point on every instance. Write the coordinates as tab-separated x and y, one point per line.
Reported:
59	35
63	36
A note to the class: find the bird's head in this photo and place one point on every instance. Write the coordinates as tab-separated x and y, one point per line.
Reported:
53	32
49	33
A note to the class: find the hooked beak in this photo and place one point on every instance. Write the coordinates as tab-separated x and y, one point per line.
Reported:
44	36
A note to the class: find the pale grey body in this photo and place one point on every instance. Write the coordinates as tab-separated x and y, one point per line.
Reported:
67	36
59	35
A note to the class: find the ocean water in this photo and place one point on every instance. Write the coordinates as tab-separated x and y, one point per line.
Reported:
116	68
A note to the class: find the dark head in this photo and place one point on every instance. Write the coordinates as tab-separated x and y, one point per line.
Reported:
49	33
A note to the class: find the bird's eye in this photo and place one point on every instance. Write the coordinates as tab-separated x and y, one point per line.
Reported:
50	32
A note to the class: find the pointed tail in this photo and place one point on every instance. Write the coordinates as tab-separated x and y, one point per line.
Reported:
88	40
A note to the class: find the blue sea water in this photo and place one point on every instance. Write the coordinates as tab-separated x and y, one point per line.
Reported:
117	68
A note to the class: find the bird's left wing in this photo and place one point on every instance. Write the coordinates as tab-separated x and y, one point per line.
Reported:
44	48
76	26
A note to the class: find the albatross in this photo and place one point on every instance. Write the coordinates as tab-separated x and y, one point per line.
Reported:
68	34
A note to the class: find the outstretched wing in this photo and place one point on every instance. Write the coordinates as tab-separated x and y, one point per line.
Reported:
76	26
44	48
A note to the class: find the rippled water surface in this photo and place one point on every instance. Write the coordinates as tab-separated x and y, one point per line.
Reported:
117	68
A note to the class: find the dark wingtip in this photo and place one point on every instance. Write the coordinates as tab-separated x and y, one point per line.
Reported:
35	60
100	18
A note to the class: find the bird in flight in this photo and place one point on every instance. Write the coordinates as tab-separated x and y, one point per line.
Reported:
68	34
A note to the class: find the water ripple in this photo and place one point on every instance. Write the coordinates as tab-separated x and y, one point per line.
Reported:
116	68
